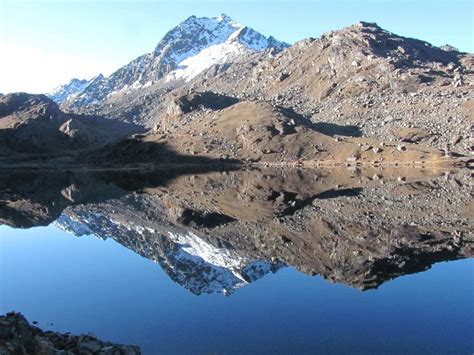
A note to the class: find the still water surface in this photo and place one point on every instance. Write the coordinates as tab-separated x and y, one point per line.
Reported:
200	297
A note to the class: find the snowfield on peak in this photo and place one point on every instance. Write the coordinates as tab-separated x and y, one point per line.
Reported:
195	34
217	54
223	40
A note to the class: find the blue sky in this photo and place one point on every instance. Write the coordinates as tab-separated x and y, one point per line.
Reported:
48	42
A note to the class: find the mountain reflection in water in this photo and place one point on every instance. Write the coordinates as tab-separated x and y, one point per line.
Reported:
216	231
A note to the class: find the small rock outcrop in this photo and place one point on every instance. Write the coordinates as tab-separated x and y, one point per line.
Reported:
206	100
17	336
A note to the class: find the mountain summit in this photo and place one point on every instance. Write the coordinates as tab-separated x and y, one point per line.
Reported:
185	51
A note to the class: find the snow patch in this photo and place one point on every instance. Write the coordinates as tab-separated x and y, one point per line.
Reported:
193	66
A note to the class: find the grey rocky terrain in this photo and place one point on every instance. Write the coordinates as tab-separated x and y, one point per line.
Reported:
364	77
361	80
17	336
189	38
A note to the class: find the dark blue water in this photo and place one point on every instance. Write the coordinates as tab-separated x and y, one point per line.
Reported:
85	284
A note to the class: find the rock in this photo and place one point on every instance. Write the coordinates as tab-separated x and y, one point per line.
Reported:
412	135
455	140
204	100
90	345
19	337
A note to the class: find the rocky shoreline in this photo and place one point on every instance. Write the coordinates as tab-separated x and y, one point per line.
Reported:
17	336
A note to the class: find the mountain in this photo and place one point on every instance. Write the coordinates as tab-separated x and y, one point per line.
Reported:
362	76
67	91
356	96
184	52
33	125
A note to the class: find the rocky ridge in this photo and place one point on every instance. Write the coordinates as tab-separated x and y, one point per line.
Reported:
210	126
34	126
373	82
357	96
68	91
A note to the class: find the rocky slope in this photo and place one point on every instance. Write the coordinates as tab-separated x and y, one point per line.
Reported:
209	126
366	77
357	96
17	336
34	126
184	52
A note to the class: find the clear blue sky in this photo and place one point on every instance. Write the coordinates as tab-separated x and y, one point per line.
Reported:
45	43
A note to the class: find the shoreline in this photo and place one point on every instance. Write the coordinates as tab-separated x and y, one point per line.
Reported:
18	336
445	163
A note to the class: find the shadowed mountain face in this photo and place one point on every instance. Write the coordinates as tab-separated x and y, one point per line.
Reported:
216	231
33	127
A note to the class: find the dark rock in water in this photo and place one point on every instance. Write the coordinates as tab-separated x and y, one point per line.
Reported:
17	336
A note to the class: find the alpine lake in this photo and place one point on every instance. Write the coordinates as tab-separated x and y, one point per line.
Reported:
244	261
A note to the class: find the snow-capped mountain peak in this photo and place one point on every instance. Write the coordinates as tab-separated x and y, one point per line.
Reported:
184	52
65	91
211	41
